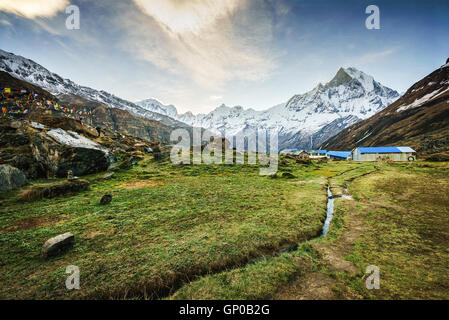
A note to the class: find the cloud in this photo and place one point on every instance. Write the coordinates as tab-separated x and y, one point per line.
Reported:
33	8
207	41
215	98
374	56
187	16
5	22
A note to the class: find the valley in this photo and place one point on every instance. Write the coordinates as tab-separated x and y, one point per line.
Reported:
139	225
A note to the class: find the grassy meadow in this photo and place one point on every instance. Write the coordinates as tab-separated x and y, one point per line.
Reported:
225	232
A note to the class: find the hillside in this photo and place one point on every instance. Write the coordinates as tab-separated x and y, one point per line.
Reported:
100	114
419	119
32	72
8	81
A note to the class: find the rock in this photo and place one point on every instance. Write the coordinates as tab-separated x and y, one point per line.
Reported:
107	176
57	245
106	199
287	175
39	154
447	61
11	178
81	161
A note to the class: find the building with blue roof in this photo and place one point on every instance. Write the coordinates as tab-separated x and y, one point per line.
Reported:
339	155
384	153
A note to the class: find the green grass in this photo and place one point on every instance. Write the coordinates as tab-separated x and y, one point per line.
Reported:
403	211
218	232
189	221
407	232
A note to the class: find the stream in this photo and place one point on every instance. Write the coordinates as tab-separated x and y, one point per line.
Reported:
329	212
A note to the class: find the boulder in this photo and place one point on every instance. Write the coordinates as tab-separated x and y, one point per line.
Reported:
11	178
81	161
49	153
57	245
106	199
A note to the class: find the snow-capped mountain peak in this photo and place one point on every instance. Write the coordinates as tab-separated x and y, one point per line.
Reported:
350	96
155	105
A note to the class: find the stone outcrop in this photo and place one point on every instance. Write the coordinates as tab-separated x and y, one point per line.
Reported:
47	147
36	152
11	178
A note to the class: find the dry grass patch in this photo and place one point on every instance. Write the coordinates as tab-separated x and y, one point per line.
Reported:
52	190
32	223
141	184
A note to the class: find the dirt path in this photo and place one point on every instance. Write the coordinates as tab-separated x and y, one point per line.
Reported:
320	285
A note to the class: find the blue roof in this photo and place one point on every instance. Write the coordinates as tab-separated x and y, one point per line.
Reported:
339	154
322	151
385	150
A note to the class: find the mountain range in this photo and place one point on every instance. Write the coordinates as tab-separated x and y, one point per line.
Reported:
32	72
304	121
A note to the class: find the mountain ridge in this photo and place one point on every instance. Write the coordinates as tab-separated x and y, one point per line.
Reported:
350	96
420	119
34	73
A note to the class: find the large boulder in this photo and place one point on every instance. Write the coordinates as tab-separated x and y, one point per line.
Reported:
11	178
42	152
81	161
78	153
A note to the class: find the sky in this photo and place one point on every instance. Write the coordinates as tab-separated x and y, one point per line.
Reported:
199	54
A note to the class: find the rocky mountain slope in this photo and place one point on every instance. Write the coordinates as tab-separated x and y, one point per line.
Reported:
51	146
419	119
30	71
118	119
306	120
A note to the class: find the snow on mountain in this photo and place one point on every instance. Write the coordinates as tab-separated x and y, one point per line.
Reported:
315	116
158	107
304	121
419	119
30	71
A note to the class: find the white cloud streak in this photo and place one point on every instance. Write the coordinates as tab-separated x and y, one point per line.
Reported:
33	8
202	40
